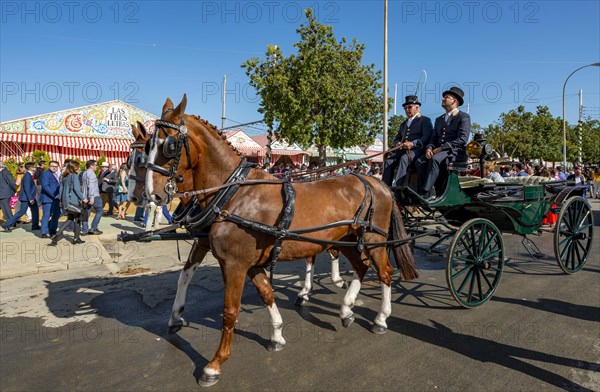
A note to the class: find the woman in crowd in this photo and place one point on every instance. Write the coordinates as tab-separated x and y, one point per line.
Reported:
489	171
70	195
121	198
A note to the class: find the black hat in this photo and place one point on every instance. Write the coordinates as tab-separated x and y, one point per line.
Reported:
411	100
456	93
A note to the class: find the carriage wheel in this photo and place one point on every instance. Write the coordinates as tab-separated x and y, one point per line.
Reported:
475	262
573	234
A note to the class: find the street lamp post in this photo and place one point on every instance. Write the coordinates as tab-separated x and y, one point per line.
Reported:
563	113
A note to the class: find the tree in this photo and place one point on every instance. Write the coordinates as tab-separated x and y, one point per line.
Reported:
591	141
513	133
546	140
323	94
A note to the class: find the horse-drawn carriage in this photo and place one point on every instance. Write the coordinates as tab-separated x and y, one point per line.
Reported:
249	220
473	212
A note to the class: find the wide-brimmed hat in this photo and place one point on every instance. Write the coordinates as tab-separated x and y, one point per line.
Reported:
104	164
411	100
456	93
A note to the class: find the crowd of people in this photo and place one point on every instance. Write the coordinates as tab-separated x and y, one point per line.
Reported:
579	176
83	194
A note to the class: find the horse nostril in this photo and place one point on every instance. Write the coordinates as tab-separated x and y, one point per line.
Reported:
157	199
134	199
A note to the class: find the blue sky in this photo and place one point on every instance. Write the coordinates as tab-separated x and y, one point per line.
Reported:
60	55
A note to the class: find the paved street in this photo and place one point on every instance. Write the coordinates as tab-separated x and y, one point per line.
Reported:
95	318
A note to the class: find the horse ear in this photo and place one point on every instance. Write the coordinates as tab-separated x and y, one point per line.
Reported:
142	130
135	130
180	109
168	105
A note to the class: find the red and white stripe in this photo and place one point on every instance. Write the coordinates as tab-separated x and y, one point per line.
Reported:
61	147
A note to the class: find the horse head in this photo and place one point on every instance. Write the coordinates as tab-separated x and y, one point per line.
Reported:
136	161
185	148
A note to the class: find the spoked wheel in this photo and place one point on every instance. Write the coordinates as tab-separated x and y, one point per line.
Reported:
475	262
573	234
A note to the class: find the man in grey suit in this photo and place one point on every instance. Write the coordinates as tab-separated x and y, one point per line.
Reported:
91	192
8	188
449	140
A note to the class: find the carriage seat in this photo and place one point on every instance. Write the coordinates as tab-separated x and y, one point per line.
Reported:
529	180
472	181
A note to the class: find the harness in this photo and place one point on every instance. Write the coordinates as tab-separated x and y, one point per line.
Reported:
196	218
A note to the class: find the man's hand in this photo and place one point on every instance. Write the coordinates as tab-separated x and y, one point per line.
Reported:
31	202
92	201
407	145
428	153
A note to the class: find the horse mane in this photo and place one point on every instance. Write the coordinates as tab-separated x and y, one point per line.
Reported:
219	132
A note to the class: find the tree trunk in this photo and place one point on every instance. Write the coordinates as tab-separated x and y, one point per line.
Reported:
322	155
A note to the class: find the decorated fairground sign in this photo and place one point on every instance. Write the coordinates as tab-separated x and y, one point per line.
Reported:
106	120
377	146
244	143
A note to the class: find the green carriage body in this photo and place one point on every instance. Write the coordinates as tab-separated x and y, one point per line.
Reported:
477	211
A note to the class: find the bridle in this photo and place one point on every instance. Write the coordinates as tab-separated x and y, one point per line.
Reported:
140	160
171	149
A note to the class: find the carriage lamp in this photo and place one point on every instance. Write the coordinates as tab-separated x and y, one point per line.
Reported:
480	150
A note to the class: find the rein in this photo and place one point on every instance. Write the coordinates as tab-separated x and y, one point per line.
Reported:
278	181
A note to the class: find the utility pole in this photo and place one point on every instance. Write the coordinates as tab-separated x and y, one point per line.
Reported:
223	101
385	77
580	130
395	96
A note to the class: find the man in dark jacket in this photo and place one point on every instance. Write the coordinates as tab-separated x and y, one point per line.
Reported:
450	136
414	134
49	197
27	197
108	181
8	188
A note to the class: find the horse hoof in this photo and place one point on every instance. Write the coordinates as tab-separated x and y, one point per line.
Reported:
208	381
347	321
340	284
301	301
378	329
173	329
274	347
176	325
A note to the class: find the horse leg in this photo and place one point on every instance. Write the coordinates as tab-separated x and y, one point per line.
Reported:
360	265
337	280
199	250
261	282
234	286
308	280
384	272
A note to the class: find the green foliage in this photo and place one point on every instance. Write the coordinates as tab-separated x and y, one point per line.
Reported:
393	127
36	156
591	141
321	95
522	134
11	165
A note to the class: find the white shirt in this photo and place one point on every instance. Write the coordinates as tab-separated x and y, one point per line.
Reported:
410	120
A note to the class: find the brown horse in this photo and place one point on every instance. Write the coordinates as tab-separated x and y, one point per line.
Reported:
137	164
244	249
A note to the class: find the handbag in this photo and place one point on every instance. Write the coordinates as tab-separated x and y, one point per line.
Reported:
72	207
13	201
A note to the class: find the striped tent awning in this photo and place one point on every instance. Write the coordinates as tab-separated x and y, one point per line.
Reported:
87	143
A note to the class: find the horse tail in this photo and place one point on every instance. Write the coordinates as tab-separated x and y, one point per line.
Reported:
402	253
